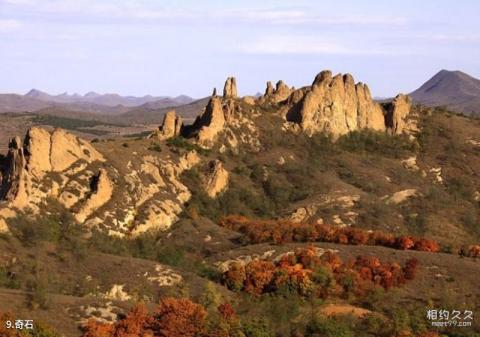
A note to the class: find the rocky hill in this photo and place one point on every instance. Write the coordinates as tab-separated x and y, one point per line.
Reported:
453	89
291	207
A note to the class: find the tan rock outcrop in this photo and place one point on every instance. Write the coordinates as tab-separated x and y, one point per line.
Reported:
40	153
282	91
66	149
279	94
171	126
230	89
101	193
397	113
217	180
210	123
336	105
401	196
38	146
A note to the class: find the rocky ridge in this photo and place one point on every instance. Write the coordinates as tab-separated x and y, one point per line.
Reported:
145	192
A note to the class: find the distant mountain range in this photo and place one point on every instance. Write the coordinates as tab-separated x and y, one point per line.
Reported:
92	102
104	99
455	90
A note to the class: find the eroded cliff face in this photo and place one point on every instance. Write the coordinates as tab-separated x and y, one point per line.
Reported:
123	198
335	105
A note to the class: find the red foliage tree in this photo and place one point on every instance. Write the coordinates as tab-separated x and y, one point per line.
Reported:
177	318
404	242
227	312
133	325
259	274
426	245
94	328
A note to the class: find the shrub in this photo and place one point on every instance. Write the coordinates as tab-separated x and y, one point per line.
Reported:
155	147
329	328
369	141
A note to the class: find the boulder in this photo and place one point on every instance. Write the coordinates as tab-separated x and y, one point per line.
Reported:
217	179
230	89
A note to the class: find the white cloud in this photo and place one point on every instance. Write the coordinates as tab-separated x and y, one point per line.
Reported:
453	38
145	10
8	25
309	45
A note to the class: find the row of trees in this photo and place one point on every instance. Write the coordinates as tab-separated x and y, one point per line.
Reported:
283	231
173	318
306	273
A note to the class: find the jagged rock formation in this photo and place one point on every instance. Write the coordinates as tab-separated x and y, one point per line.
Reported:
336	105
171	126
40	154
230	88
396	114
279	94
217	179
119	197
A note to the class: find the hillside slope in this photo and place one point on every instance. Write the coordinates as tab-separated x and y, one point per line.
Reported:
274	207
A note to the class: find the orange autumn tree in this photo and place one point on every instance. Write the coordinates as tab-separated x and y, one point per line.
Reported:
178	318
173	318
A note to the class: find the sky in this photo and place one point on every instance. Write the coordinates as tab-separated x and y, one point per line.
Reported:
160	47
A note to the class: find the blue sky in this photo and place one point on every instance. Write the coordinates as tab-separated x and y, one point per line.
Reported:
187	47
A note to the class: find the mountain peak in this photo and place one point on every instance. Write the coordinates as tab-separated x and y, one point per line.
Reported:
452	88
35	93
